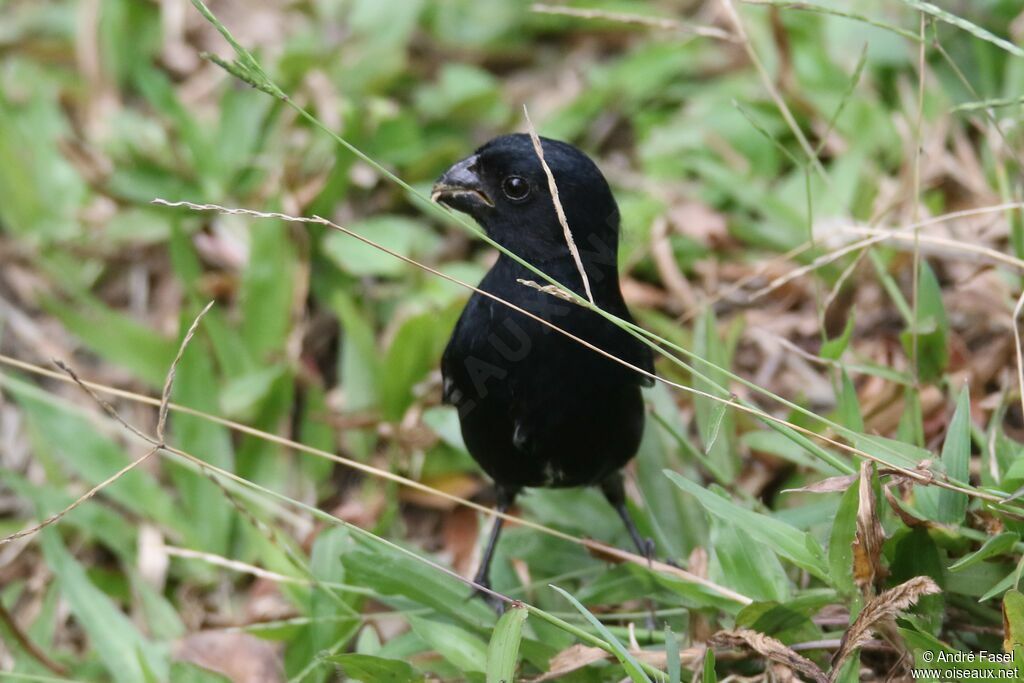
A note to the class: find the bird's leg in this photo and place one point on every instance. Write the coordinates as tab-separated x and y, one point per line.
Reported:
615	492
483	574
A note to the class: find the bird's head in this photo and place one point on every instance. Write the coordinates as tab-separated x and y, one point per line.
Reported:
503	186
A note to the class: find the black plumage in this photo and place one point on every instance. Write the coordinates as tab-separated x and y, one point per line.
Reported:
537	408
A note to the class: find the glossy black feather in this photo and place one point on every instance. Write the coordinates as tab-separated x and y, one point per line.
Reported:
537	408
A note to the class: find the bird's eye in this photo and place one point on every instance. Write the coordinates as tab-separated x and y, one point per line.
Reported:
515	188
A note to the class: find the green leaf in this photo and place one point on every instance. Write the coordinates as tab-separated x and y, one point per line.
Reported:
920	642
797	546
840	550
325	564
1013	622
627	660
673	663
464	650
996	545
195	386
392	573
789	622
891	451
931	328
92	517
413	353
117	338
267	292
916	554
184	672
848	407
1007	582
708	674
833	348
715	424
503	650
40	188
750	568
243	396
116	640
961	23
399	234
942	505
368	668
359	365
63	436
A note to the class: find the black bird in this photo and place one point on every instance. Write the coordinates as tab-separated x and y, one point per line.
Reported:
537	408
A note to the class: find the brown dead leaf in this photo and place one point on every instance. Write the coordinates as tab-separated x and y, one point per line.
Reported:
579	656
238	656
569	660
700	222
830	485
683	298
697	563
885	606
901	512
643	295
461	485
459	531
867	544
771	649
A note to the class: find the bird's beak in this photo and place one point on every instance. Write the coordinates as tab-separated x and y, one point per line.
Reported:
461	187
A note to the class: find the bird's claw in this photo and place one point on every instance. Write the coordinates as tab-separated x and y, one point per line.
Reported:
483	591
649	549
493	601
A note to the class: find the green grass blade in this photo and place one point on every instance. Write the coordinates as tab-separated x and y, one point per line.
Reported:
819	9
961	23
628	661
943	505
464	650
708	674
997	545
114	637
371	668
503	650
988	104
797	546
672	659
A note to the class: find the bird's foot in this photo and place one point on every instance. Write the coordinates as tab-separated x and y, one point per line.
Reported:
492	600
647	549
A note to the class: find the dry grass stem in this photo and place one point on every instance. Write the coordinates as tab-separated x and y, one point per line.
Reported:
1017	349
634	19
165	397
556	292
241	567
27	644
916	207
881	235
954	247
56	517
559	211
157	443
